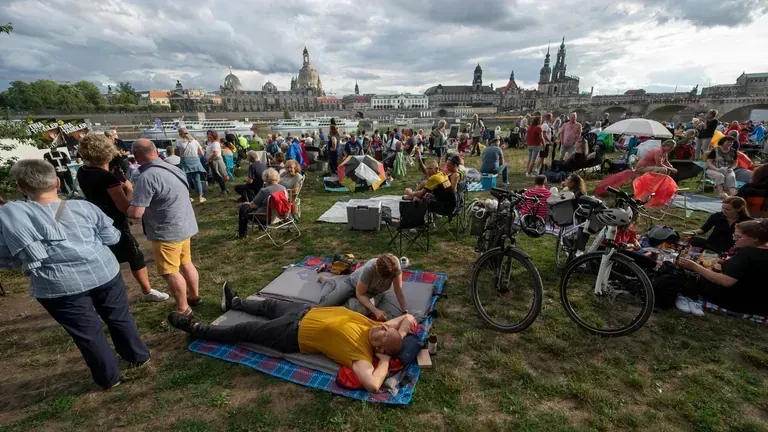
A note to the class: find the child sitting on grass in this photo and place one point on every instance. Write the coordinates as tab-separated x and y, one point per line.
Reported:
540	192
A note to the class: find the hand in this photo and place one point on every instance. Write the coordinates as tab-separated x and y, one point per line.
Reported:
379	315
411	319
383	357
673	170
127	186
687	264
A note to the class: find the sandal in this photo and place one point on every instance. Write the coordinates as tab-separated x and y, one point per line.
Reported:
194	301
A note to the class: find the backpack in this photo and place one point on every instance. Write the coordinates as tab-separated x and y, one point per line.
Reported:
343	264
658	235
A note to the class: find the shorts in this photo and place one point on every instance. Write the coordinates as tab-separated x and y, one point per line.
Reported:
545	152
475	140
533	153
169	256
127	251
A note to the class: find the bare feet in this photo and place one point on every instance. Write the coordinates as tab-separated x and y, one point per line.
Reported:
723	195
322	279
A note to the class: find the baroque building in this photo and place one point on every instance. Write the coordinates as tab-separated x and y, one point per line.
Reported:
554	82
467	95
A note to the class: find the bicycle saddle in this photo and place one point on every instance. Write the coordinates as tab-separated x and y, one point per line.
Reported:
589	201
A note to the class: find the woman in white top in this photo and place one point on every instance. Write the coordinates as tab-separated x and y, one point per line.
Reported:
189	150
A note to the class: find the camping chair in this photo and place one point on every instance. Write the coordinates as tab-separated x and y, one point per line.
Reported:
271	222
294	200
458	218
412	226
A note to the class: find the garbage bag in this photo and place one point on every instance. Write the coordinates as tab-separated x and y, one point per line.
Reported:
661	186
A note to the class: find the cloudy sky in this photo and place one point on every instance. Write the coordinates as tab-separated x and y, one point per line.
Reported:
387	45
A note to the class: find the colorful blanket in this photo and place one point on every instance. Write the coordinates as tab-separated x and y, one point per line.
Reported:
281	368
715	308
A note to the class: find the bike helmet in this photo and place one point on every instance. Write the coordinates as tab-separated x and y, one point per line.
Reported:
615	216
533	225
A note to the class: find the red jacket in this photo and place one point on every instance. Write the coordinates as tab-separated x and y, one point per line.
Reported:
279	202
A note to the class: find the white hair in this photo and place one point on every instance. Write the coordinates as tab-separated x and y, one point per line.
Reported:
34	176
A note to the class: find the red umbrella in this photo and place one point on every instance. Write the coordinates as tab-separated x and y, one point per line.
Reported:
662	186
615	181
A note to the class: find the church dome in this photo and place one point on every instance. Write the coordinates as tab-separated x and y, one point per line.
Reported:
269	88
232	82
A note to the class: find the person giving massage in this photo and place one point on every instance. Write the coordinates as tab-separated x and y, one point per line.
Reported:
342	335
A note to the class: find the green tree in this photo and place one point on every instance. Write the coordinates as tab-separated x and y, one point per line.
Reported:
126	94
174	107
90	92
7	29
16	132
286	115
69	99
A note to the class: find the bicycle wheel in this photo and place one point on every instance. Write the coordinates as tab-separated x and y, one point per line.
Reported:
506	289
624	304
564	248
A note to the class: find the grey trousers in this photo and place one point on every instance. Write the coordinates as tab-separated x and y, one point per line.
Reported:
702	147
339	291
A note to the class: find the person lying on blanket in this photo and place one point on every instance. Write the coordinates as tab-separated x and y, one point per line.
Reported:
342	335
371	289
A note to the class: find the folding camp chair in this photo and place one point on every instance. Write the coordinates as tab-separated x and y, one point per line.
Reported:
294	200
272	223
412	226
458	218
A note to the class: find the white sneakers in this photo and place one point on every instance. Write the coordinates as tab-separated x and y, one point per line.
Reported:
684	304
155	296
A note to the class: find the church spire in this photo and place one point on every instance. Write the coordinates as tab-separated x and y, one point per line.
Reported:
357	89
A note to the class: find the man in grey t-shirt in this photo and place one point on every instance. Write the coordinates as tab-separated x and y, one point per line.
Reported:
161	196
380	279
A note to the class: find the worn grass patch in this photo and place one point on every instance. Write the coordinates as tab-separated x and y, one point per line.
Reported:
677	373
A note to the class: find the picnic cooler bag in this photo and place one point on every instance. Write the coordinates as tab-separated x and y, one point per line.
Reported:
560	208
364	215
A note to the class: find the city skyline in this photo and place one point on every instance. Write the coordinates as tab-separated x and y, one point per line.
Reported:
654	45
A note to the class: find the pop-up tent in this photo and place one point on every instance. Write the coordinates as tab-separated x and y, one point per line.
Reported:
361	172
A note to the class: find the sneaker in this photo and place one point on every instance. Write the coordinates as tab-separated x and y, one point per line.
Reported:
182	321
696	308
227	295
112	386
155	296
202	200
194	301
137	365
683	304
191	199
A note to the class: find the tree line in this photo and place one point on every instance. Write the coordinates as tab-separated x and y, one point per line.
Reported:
79	97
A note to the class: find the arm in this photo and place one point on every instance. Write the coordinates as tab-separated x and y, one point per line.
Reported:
121	195
371	379
707	225
135	212
108	234
714	277
360	291
142	198
397	285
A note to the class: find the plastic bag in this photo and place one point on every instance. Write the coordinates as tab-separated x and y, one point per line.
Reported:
661	185
744	161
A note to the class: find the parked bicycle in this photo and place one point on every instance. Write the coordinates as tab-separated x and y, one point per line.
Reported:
506	287
606	292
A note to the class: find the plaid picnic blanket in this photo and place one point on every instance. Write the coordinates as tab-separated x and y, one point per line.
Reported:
284	369
715	308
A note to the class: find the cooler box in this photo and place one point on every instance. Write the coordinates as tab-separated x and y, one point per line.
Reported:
364	215
488	181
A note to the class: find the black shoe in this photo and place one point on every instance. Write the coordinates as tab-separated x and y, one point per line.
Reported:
227	295
181	321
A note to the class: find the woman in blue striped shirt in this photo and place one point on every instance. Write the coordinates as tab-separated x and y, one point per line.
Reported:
62	246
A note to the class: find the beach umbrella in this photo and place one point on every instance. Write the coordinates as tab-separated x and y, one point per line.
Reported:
350	171
639	127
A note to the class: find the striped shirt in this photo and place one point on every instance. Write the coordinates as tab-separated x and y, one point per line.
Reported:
78	264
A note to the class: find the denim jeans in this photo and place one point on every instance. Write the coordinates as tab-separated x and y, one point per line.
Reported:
194	179
281	332
82	314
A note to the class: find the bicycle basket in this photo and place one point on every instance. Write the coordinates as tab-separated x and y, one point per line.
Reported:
561	213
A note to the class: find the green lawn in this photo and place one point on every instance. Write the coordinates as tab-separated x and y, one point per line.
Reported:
677	373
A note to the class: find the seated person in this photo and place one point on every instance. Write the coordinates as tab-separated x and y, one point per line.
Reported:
493	161
656	160
380	279
436	189
452	169
254	182
738	287
722	225
342	335
721	163
291	178
259	203
353	147
756	191
540	192
277	162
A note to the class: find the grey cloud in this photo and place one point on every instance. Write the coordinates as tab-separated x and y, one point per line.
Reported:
361	75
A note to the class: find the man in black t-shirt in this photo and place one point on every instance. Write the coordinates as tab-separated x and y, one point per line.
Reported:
255	180
60	161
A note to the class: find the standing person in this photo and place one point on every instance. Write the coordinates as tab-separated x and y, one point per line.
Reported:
228	152
524	126
535	139
161	197
546	127
62	246
706	130
216	161
254	182
440	140
120	144
333	150
189	150
570	134
321	136
477	127
105	191
493	161
60	161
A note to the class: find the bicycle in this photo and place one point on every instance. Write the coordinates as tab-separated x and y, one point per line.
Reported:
619	282
504	272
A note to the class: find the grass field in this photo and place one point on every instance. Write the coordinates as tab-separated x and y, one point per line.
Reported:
677	373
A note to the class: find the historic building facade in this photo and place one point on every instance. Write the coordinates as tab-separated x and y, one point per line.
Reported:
194	99
555	82
400	101
469	95
753	84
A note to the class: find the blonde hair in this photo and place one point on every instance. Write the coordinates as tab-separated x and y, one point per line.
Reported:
252	156
97	149
293	163
270	176
184	134
432	164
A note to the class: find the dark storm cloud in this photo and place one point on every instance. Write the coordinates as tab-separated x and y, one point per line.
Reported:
389	44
